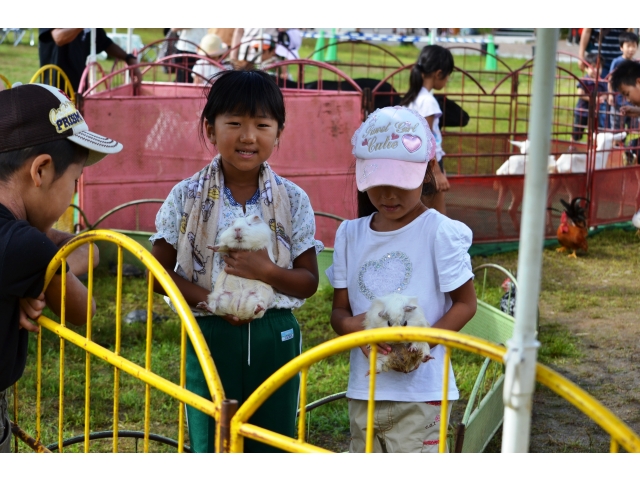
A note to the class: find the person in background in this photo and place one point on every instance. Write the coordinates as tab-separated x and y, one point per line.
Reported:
289	43
188	40
241	48
585	87
431	72
214	48
628	46
68	48
590	43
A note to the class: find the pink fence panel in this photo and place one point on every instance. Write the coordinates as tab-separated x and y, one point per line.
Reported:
315	152
161	147
615	195
491	205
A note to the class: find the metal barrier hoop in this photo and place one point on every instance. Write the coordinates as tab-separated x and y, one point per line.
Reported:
621	434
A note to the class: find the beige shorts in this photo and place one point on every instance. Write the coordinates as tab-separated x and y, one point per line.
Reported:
400	427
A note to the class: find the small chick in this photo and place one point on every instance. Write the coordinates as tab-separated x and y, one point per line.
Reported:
243	298
397	310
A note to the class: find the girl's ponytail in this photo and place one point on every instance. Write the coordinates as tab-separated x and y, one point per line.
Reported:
432	58
415	85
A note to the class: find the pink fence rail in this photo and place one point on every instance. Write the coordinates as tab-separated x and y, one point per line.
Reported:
157	123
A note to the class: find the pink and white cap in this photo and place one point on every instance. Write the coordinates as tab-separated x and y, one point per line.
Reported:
393	147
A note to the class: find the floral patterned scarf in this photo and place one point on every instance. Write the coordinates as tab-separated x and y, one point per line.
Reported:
199	224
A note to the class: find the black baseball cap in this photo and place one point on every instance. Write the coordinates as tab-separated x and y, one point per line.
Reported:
35	113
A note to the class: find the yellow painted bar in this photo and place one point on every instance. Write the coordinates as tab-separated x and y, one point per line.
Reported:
39	386
116	371
614	446
183	382
147	391
38	77
600	414
277	440
371	404
63	312
629	440
162	277
87	381
303	404
132	369
5	80
444	404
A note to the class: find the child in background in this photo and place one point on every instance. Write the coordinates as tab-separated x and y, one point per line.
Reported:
626	80
399	245
44	145
243	119
213	47
431	72
629	47
585	87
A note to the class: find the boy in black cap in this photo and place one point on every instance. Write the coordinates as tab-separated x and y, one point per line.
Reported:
44	145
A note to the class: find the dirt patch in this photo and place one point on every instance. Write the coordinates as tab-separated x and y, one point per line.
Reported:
596	299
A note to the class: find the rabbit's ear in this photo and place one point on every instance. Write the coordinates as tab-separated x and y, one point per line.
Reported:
409	308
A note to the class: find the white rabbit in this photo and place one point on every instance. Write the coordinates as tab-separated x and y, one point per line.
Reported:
242	297
395	310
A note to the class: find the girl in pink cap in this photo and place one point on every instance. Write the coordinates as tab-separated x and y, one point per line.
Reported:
398	245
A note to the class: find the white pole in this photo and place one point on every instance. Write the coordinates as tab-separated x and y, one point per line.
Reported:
127	78
92	58
432	36
522	349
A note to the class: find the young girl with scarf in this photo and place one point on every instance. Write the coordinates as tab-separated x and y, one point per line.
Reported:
243	119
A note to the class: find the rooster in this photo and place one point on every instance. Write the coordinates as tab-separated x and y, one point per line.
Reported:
572	232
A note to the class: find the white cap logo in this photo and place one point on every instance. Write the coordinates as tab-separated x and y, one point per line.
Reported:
65	117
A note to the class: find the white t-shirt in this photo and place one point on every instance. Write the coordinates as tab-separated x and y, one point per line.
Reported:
426	259
204	68
302	220
426	105
193	35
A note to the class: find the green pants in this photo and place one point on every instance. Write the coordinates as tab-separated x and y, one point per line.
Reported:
245	356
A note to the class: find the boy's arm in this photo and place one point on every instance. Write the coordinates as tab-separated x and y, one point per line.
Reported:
584	42
78	260
630	111
583	95
76	304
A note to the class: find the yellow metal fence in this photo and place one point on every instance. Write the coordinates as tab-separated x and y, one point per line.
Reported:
232	426
143	373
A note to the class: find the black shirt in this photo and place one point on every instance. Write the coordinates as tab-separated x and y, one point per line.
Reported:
72	57
25	253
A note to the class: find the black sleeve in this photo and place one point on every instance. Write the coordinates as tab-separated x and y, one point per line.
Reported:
27	257
102	40
44	35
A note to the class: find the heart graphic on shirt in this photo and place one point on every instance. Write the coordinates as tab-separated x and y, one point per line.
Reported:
389	274
365	142
394	136
411	142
